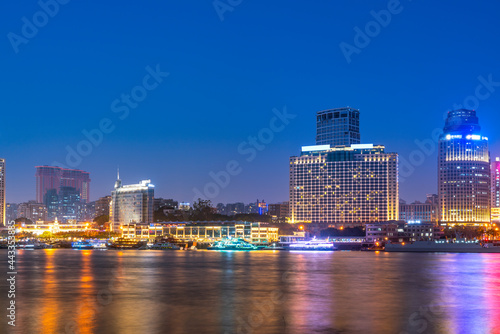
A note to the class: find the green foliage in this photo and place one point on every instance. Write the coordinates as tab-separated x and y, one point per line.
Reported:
101	220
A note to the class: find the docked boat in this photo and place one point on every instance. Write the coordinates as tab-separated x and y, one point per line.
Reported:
164	246
81	245
313	245
125	243
233	244
450	246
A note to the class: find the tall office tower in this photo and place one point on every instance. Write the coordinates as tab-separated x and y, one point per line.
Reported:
48	177
495	183
344	186
71	208
131	204
2	192
338	126
464	170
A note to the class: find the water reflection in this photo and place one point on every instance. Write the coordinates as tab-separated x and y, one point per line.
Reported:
66	291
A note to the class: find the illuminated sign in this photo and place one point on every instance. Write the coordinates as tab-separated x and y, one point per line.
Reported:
361	146
315	148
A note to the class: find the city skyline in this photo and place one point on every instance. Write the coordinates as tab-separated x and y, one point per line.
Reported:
199	116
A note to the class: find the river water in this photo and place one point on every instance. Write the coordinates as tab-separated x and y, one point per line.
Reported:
71	291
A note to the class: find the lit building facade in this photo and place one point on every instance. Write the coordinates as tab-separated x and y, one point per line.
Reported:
2	191
338	126
463	170
495	183
53	178
132	204
417	211
32	211
344	186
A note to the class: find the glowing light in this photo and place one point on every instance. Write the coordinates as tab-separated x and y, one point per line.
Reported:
315	148
361	146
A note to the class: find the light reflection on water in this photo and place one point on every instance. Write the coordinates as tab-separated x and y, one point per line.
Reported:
69	291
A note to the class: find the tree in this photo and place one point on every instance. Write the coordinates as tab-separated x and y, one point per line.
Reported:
202	210
101	220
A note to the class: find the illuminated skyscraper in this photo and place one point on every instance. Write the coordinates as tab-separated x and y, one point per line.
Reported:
464	170
495	183
48	177
344	186
2	191
338	126
131	203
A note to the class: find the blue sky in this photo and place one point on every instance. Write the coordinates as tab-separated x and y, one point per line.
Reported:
225	78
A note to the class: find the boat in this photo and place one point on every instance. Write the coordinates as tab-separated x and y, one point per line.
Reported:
274	246
313	245
125	243
164	246
233	244
81	245
450	246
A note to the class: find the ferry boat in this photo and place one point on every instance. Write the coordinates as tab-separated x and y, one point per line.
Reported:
450	246
164	246
81	245
313	245
233	244
125	243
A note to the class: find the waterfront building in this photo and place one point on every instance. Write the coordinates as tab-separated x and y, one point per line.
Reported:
495	186
53	227
131	204
255	233
53	178
463	171
33	211
382	232
417	230
338	126
2	192
495	215
344	186
427	211
102	206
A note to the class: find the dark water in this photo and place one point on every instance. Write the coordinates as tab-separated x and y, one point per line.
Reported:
69	291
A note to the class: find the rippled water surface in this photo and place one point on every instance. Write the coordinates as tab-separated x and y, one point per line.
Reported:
70	291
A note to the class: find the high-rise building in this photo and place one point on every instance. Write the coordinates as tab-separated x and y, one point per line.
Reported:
102	206
2	191
48	177
338	126
463	170
495	183
350	185
11	210
131	204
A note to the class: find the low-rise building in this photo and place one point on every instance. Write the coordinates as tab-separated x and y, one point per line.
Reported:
380	232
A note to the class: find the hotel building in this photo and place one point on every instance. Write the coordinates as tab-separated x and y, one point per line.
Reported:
338	126
131	204
463	171
344	186
2	192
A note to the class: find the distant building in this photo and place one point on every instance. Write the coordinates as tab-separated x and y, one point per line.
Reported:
162	202
464	170
417	211
50	178
495	183
33	211
415	231
11	211
338	126
102	206
279	211
132	204
344	186
184	206
2	191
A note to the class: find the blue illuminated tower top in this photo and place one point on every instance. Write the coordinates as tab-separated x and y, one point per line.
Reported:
461	121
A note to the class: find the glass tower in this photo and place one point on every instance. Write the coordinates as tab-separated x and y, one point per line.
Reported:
338	126
464	170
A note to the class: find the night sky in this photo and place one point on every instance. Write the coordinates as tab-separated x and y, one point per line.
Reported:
225	78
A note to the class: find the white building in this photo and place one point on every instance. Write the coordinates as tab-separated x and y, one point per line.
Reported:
131	204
